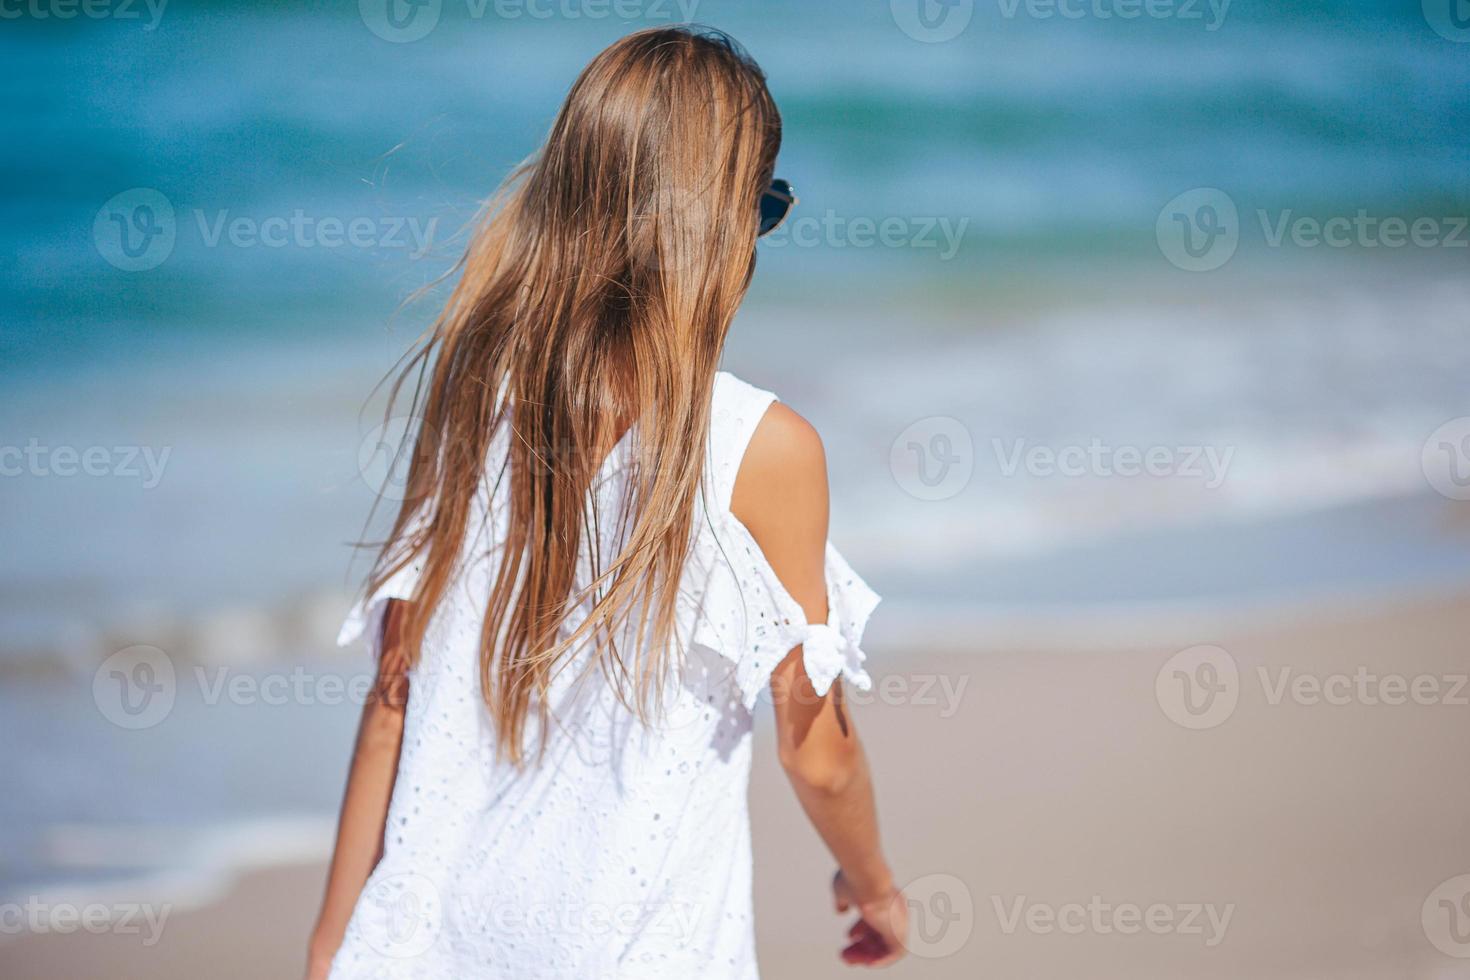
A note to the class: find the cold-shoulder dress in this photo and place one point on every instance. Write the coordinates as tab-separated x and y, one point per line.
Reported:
625	852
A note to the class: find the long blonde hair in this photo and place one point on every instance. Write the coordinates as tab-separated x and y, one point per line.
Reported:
596	292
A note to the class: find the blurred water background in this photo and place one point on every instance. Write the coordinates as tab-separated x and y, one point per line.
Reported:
1024	292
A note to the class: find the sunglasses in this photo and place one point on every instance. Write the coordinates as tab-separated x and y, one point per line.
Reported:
776	204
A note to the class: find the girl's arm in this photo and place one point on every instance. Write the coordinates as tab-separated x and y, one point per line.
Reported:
781	497
365	803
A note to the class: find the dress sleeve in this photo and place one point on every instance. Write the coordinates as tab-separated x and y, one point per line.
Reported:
366	615
741	611
732	600
834	648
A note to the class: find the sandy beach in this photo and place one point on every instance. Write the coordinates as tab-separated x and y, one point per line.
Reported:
1055	821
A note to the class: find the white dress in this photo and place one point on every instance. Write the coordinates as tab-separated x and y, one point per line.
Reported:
625	853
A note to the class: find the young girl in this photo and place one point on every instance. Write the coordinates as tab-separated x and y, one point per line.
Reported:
608	549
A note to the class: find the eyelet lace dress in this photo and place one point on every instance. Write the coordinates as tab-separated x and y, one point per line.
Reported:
625	851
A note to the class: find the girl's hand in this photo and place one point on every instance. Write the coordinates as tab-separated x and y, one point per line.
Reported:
879	934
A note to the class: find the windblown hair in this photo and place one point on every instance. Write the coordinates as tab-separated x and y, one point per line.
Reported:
593	301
